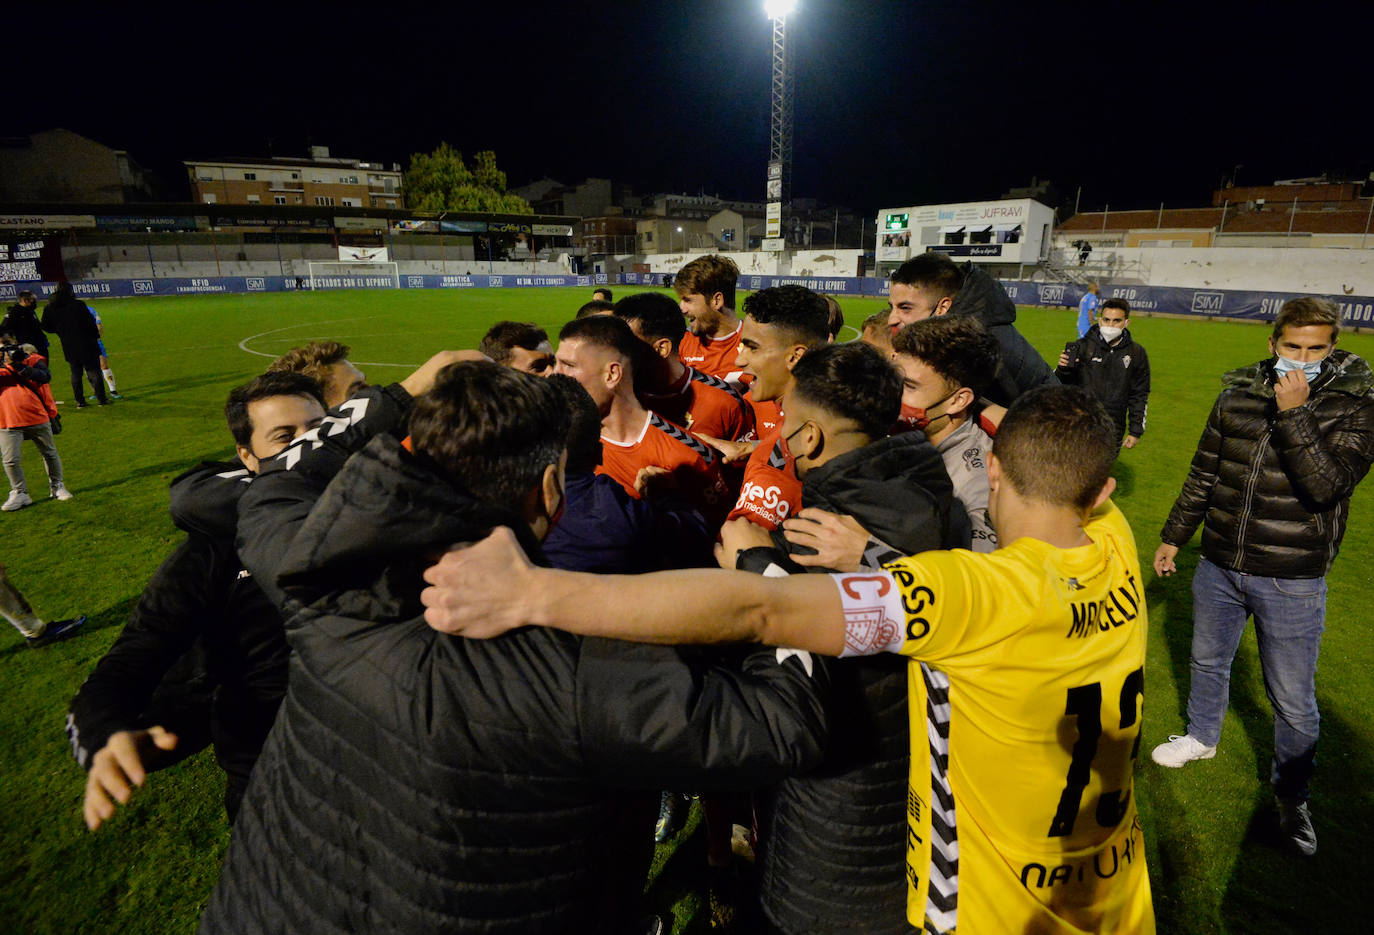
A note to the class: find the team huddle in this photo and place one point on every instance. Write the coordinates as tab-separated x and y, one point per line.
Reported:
457	640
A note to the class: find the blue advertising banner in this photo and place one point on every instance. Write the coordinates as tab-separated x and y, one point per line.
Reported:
1170	300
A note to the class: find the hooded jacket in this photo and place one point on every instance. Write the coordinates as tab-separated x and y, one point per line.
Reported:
420	782
832	843
1021	366
1117	374
1272	489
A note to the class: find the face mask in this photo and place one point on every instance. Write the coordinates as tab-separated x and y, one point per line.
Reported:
915	417
1284	365
795	455
1109	334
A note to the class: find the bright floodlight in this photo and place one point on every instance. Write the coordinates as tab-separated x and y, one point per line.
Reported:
777	9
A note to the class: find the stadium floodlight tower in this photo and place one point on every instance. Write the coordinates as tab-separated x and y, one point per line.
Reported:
780	121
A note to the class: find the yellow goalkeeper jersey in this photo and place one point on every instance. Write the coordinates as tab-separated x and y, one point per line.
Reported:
1025	696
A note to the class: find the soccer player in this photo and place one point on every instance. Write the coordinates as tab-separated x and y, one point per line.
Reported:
686	397
1027	673
706	291
1087	309
595	307
35	630
602	294
639	449
780	325
931	285
1114	367
875	331
105	370
518	345
327	362
945	363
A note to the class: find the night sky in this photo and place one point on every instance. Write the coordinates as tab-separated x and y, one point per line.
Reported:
896	103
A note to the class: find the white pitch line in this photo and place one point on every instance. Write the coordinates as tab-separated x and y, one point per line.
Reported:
311	324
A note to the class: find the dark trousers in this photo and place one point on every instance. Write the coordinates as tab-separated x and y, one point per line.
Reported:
92	371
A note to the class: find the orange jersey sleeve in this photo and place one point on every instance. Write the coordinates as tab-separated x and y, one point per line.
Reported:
771	491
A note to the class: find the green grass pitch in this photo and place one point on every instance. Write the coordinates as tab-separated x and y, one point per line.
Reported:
151	868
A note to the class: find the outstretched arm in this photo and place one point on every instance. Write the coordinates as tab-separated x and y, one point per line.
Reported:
489	588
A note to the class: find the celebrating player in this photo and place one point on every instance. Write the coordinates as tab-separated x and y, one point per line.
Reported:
1021	820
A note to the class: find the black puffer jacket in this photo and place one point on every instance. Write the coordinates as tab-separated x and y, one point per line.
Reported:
22	322
203	650
1117	374
1272	489
1021	367
833	842
418	782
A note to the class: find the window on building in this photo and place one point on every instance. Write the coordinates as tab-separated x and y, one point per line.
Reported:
278	199
298	199
295	175
373	201
207	178
250	176
648	236
727	234
210	198
254	199
351	202
391	202
324	200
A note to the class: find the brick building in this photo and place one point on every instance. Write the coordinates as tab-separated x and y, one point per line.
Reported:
319	181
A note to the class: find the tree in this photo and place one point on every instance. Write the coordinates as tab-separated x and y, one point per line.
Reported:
441	181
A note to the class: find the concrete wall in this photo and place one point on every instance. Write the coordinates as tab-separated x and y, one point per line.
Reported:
826	263
1276	269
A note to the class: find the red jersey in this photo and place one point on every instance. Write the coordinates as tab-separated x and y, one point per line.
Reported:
704	405
772	491
715	356
767	416
695	466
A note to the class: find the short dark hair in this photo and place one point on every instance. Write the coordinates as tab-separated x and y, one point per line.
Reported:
504	336
658	316
796	310
584	430
933	271
272	383
25	294
1118	303
605	331
836	321
1308	310
595	307
958	349
852	381
602	290
490	430
707	275
1057	445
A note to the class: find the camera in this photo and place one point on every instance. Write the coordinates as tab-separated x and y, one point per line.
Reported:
14	355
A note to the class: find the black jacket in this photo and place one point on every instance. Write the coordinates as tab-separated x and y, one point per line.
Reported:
71	320
203	603
1118	374
832	843
418	782
22	322
1272	489
1021	367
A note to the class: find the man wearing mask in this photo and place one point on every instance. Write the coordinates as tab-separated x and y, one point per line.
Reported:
1109	364
1270	484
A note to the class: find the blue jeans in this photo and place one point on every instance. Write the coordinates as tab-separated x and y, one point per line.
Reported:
1290	616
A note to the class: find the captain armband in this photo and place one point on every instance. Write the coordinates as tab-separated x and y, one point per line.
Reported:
873	613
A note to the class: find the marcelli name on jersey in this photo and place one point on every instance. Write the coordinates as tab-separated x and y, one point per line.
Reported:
1025	694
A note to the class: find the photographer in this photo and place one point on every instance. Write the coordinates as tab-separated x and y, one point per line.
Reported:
27	411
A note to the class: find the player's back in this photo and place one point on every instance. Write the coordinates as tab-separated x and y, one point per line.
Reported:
694	466
1029	696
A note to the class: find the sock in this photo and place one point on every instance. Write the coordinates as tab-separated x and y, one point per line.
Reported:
109	379
17	611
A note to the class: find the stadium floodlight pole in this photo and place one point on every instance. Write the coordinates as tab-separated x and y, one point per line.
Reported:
1367	218
780	110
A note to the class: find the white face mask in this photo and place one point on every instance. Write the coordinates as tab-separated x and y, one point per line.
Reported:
1109	334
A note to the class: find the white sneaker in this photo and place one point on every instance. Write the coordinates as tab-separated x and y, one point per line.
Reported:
1180	750
17	501
60	492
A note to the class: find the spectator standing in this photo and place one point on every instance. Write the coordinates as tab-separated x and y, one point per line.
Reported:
1087	309
22	321
68	317
27	411
1282	451
1108	363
